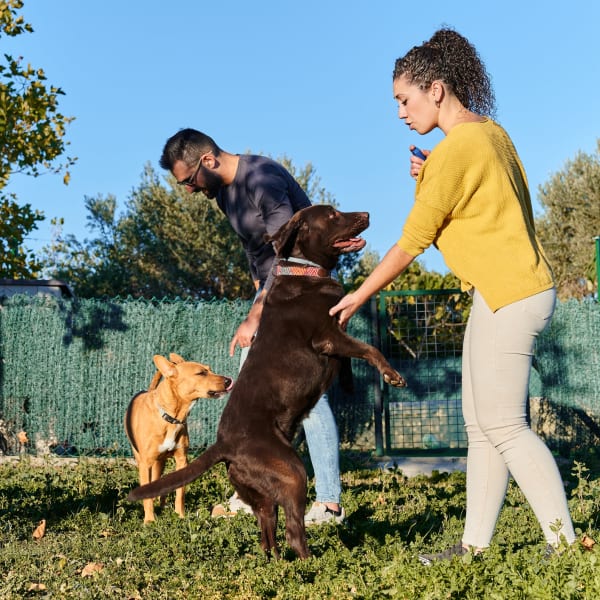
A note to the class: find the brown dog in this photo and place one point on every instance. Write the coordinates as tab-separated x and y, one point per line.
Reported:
155	421
297	352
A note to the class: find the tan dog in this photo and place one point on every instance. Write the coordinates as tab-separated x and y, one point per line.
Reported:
155	421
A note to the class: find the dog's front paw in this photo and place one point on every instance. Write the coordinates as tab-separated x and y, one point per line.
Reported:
394	378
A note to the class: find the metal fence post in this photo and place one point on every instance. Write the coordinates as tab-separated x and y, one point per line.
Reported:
378	402
597	239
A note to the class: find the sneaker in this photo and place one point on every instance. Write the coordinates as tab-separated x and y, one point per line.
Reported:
549	552
448	554
320	513
233	506
236	505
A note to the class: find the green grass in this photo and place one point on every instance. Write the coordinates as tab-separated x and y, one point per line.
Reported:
372	555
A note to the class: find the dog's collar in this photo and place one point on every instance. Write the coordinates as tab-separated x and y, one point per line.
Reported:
167	417
299	266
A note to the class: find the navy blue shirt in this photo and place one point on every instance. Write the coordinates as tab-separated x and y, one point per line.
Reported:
262	197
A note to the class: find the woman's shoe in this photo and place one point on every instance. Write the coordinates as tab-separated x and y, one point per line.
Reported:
448	554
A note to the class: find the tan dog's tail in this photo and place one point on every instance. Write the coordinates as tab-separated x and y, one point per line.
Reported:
128	428
178	478
155	381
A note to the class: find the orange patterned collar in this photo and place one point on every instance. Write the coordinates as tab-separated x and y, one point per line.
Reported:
299	267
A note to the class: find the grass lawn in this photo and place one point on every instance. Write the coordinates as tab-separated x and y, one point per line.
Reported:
95	545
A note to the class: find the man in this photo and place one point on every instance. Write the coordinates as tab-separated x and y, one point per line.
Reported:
258	196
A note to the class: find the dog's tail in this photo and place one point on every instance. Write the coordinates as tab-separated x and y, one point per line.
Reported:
128	427
155	381
178	478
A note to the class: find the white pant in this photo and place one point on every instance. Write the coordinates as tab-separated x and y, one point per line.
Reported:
497	356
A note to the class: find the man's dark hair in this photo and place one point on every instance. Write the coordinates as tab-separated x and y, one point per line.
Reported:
187	145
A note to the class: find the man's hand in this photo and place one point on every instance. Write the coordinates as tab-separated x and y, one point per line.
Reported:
243	336
247	330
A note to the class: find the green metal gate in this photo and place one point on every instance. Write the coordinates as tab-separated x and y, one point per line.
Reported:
421	333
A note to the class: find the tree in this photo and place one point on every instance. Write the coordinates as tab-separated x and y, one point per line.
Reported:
570	221
167	243
31	139
15	223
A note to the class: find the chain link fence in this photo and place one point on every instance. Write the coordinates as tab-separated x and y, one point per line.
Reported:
69	367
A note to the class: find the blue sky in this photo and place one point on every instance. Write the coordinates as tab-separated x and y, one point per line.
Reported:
311	80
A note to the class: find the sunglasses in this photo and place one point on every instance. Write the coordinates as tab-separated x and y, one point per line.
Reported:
191	180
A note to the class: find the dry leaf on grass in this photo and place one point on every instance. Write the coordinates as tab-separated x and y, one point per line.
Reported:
91	568
587	542
219	511
40	530
37	587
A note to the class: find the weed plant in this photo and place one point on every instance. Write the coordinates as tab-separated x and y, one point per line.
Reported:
95	545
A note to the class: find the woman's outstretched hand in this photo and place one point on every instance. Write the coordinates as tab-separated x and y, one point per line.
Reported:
345	308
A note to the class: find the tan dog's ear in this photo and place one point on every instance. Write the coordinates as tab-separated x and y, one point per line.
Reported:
164	366
175	358
285	238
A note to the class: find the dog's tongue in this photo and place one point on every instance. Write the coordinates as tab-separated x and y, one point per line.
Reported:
351	243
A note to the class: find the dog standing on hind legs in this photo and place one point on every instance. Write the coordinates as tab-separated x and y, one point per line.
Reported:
155	420
297	352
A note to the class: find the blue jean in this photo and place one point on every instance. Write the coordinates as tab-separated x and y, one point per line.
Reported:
322	441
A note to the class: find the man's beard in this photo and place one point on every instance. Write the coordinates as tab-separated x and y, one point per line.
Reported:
213	182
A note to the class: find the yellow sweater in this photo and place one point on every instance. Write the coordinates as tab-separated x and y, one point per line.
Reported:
472	202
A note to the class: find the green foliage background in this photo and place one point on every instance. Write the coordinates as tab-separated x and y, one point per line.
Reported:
32	132
569	223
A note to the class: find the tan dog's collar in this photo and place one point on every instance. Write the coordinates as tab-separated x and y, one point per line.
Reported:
167	417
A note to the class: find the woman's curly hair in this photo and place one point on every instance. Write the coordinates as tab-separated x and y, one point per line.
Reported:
451	58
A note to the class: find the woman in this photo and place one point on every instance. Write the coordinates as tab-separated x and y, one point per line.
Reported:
472	202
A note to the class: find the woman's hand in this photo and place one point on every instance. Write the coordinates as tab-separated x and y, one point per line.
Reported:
416	163
345	308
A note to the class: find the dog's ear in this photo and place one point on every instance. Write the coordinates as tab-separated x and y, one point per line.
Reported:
164	366
175	358
284	240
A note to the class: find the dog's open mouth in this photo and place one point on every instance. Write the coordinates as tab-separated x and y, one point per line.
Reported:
350	245
219	393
